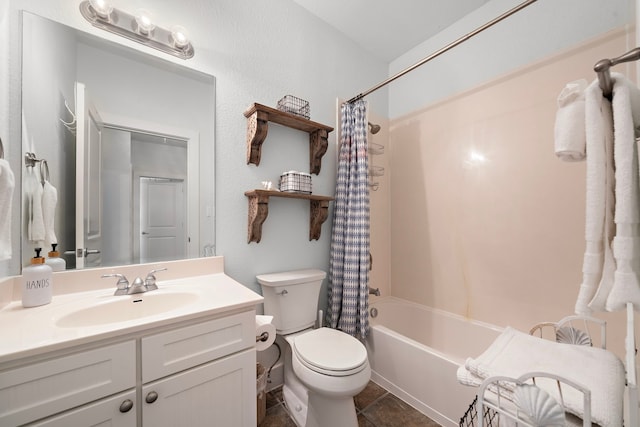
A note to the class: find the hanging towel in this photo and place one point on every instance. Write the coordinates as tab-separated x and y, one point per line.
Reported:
33	201
599	195
569	130
49	202
626	244
515	353
7	184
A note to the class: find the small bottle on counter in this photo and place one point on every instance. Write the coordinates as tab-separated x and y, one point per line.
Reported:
37	282
54	261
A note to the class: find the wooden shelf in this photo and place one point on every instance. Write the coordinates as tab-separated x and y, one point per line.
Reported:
258	118
259	209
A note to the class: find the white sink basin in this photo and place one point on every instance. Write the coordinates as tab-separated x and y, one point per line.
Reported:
126	307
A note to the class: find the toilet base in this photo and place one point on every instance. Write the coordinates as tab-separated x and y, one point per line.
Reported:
319	410
327	411
296	407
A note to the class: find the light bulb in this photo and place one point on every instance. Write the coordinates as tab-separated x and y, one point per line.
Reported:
144	21
179	35
102	7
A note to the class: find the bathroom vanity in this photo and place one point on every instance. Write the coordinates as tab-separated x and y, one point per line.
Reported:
183	354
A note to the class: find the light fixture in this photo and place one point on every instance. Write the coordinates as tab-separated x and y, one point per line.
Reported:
140	28
145	23
179	36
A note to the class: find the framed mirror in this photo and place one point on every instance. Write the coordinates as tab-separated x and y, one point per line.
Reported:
127	141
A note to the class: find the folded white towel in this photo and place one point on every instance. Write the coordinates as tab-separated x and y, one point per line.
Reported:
49	202
33	198
599	195
626	113
569	130
515	353
7	184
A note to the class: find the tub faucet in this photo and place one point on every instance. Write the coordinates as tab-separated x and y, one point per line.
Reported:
374	291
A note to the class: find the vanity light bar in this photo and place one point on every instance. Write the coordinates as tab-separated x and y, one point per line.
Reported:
124	24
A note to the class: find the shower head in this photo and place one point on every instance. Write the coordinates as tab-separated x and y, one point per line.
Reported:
374	128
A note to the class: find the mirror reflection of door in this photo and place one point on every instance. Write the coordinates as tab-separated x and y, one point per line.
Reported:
128	156
162	219
89	182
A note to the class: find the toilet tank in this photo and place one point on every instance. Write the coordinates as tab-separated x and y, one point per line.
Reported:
291	297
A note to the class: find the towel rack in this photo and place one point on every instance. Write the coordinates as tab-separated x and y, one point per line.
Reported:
44	171
602	69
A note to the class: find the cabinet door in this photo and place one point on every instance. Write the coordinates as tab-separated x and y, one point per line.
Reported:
118	411
220	393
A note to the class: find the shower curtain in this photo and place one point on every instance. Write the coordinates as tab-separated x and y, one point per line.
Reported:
348	301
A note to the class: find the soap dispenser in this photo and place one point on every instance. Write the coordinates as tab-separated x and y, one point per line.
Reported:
37	282
54	261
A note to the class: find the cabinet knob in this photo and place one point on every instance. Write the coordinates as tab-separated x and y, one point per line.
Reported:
126	405
152	396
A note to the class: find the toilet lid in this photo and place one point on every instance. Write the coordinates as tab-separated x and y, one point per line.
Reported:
330	351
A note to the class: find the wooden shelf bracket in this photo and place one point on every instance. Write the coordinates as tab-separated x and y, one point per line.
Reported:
258	118
259	209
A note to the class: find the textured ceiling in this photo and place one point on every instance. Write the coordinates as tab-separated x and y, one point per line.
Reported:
389	28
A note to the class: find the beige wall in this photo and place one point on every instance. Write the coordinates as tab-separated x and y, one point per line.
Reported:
380	276
486	221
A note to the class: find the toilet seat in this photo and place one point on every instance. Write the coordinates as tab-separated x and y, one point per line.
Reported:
330	352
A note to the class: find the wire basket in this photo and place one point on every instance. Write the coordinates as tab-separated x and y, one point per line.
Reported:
470	417
294	105
295	182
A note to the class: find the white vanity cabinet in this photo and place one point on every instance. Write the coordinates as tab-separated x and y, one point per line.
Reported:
220	386
199	373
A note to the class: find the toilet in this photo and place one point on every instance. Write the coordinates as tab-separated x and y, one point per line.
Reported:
323	368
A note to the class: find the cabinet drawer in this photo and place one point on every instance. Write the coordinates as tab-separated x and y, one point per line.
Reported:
104	412
42	389
174	351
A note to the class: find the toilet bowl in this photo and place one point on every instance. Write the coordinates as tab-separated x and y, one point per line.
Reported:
323	368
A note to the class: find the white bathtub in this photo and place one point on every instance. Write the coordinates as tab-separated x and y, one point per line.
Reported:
415	351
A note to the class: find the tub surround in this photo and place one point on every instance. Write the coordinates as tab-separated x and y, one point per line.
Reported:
427	355
33	331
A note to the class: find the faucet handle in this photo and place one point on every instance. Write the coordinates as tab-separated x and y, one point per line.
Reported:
122	285
150	280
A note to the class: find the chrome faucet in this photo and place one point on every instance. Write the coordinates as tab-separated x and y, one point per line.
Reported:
122	286
150	280
139	286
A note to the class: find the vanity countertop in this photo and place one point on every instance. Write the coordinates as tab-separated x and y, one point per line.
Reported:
83	317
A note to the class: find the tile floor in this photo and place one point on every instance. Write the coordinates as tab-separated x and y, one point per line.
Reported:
376	407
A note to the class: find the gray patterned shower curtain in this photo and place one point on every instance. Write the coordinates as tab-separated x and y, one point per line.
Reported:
348	302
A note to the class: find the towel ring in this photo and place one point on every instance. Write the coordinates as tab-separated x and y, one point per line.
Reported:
44	171
1	149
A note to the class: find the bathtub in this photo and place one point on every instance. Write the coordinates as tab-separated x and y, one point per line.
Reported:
415	350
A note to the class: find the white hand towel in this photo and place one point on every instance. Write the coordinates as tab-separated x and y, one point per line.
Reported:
599	139
33	199
49	202
569	130
515	353
7	184
626	244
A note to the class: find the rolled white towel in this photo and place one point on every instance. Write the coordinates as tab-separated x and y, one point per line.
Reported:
569	131
7	184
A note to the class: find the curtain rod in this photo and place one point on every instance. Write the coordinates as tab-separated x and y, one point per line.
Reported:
444	49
